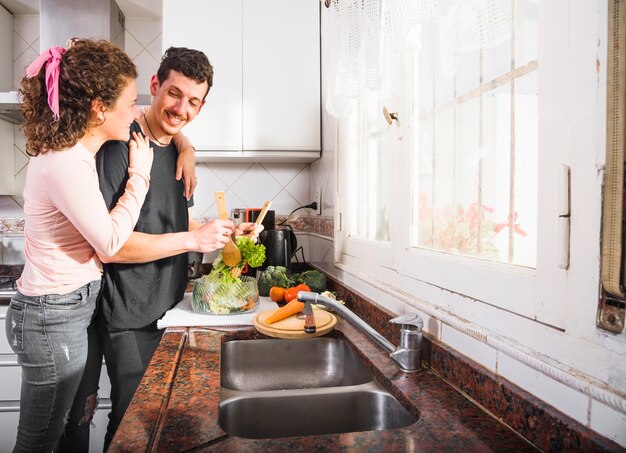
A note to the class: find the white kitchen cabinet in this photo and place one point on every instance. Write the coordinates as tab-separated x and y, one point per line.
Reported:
9	417
6	50
7	173
10	376
7	158
10	414
265	101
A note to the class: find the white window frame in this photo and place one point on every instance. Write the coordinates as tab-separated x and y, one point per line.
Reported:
570	98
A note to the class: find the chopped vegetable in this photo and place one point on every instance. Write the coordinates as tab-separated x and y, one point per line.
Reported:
314	279
273	276
293	307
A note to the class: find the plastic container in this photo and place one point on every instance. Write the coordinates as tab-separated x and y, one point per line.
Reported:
225	298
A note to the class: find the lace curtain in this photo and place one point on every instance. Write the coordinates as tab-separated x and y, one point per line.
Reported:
362	34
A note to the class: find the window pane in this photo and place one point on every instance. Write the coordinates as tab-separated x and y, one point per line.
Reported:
469	77
526	20
466	179
524	235
475	160
496	165
496	61
368	171
443	183
497	54
423	233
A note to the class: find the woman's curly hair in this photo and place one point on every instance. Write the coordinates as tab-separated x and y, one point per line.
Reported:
89	70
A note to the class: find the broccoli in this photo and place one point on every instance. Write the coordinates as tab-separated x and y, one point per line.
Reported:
314	279
273	276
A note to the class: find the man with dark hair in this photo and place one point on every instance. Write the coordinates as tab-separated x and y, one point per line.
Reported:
149	274
192	63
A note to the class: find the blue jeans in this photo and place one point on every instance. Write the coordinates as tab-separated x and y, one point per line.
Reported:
78	426
49	335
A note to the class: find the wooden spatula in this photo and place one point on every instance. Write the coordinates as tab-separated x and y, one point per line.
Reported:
264	209
230	253
236	271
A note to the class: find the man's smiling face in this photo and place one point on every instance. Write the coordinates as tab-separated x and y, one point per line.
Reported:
176	101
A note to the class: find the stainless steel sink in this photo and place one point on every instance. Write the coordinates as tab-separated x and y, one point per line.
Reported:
282	388
308	412
290	364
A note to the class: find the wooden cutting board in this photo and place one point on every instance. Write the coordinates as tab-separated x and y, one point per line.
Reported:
292	327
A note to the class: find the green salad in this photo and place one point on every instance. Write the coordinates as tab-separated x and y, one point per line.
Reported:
210	295
221	293
251	253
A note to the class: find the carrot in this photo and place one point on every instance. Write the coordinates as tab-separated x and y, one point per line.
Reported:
249	305
293	307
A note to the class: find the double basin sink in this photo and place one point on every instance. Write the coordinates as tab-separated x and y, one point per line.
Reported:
281	388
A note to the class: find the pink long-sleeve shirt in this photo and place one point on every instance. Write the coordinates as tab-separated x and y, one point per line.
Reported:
67	218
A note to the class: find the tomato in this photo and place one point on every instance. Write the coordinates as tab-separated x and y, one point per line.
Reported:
291	294
277	294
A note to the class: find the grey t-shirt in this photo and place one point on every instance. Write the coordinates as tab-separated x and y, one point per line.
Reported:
135	296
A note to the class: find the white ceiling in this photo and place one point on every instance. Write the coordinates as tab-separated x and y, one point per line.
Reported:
147	9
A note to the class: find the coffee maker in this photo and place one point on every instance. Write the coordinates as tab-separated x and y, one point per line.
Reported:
280	246
269	222
280	241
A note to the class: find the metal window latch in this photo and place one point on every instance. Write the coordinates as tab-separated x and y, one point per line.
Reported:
564	216
390	117
611	313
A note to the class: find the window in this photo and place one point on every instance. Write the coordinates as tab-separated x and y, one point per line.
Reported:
462	191
474	147
368	173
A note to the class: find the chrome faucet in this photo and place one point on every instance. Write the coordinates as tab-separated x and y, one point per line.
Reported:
407	355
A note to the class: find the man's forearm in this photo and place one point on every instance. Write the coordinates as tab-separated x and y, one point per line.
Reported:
143	248
193	224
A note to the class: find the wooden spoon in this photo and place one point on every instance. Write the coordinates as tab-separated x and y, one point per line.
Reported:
230	253
264	209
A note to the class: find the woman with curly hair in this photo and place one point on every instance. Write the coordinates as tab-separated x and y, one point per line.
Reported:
74	100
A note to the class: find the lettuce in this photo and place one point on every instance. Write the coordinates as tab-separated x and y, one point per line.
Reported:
251	253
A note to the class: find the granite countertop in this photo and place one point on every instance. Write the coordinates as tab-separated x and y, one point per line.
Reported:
462	405
176	405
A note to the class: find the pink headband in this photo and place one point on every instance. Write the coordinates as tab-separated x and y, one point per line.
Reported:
52	57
